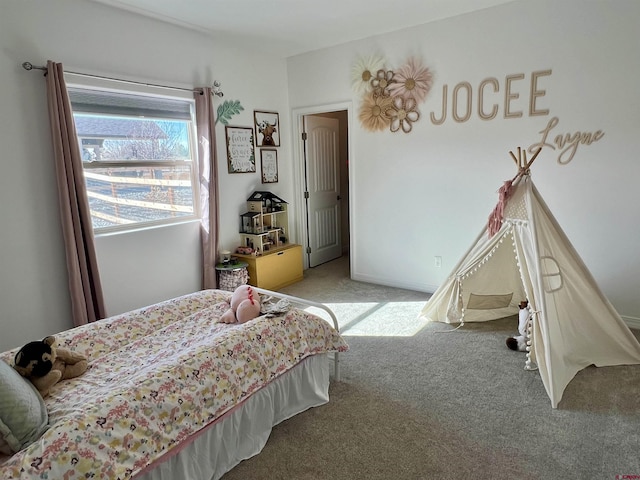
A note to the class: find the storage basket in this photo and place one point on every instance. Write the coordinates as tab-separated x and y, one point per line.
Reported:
232	279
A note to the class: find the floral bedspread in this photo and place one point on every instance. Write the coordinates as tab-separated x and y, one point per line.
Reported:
156	376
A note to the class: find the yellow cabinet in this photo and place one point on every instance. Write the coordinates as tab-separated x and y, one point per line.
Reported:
275	269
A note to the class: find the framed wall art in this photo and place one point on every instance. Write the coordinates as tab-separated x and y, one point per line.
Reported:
241	156
267	128
269	165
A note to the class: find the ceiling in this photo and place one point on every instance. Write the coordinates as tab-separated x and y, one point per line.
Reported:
290	27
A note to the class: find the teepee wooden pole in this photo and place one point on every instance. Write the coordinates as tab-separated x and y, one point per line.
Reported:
522	162
535	155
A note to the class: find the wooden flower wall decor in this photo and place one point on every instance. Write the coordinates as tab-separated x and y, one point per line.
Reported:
390	98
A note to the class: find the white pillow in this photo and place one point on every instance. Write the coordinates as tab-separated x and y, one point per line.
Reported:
23	415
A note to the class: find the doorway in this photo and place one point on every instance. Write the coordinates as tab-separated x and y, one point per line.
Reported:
322	182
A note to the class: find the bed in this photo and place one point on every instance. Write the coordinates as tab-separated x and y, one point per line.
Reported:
173	393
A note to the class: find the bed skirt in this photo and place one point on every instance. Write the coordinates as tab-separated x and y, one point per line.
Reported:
244	431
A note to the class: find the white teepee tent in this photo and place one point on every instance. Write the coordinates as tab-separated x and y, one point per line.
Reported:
530	257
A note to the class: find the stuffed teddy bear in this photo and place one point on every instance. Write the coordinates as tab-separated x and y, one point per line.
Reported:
45	365
519	342
245	305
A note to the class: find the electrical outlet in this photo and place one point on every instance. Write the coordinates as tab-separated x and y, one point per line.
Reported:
438	261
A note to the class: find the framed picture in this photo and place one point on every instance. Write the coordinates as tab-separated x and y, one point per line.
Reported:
241	157
269	164
267	129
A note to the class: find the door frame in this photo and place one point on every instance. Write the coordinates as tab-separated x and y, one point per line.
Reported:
297	118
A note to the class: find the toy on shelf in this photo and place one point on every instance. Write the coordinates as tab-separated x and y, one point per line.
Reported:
264	226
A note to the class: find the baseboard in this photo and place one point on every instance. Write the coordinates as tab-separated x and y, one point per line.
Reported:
632	322
383	281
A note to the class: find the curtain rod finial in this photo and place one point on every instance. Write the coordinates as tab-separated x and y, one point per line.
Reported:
27	66
216	89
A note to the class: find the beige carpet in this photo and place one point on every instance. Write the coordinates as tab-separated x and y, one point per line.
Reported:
362	308
416	403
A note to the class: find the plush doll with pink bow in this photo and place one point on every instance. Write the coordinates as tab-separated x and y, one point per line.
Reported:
245	305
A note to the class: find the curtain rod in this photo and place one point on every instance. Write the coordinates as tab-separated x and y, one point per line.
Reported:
215	89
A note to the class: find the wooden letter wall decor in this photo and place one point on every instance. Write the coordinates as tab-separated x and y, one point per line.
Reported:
488	91
567	143
462	98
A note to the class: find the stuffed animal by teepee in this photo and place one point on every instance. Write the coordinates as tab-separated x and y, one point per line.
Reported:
519	342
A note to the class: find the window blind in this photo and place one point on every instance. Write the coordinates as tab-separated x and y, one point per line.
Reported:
127	104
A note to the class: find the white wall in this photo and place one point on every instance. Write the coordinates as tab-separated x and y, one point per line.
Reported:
428	193
149	265
139	268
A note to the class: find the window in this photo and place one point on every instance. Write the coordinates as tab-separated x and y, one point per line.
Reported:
138	156
551	274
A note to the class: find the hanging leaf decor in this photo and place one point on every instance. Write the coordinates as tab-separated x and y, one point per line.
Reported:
228	109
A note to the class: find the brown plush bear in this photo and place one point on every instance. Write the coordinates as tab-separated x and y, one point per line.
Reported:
45	365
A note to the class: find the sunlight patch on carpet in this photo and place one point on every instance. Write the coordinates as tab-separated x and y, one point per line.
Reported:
376	319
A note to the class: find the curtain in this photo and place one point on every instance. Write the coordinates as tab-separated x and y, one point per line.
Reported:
208	175
87	303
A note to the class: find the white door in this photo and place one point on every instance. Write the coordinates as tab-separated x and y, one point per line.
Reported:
323	187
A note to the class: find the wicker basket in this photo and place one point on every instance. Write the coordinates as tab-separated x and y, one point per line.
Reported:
232	279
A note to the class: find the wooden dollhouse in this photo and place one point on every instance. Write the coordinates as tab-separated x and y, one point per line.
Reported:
274	262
